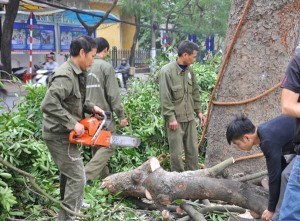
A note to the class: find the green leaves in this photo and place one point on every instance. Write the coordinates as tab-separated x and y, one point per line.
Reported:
22	145
7	199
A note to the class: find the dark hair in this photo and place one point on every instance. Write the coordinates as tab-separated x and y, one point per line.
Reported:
102	43
187	47
84	42
237	128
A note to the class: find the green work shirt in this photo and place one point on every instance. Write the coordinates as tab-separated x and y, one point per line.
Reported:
179	93
102	88
62	105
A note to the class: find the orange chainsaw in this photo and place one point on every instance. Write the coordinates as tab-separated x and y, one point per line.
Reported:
96	134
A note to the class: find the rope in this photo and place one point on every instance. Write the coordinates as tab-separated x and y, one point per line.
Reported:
256	155
222	103
221	72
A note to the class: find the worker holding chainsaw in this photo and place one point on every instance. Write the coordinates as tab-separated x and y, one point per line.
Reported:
102	89
62	108
179	99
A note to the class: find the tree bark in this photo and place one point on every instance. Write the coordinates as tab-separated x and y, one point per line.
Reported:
260	55
8	24
164	187
137	20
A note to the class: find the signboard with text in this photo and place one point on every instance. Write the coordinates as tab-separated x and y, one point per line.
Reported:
43	37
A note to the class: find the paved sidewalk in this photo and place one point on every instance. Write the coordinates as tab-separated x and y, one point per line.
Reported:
13	88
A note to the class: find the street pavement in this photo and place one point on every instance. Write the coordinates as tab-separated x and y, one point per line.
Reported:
12	95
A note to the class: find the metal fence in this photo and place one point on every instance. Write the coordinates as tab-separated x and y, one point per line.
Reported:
141	57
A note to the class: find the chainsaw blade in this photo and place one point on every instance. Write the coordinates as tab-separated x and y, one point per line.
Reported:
124	141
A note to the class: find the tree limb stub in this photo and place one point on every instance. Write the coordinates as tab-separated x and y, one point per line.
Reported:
252	176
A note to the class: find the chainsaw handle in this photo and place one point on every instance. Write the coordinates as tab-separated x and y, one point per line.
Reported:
72	136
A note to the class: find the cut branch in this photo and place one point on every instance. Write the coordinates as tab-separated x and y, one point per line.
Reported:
37	188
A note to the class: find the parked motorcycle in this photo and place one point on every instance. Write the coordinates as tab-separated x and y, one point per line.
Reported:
19	72
42	77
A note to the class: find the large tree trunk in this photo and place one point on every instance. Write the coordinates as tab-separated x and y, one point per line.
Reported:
10	16
260	55
151	181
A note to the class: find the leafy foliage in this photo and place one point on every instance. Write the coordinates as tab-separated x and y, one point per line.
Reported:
21	144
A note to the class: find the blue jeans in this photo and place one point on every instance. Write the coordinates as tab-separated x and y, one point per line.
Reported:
290	208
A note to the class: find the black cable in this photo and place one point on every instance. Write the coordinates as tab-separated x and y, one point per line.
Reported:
95	15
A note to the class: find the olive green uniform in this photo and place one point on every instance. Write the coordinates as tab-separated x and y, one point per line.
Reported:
62	108
102	90
180	100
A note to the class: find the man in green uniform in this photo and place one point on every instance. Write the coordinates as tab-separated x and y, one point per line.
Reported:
179	100
62	109
102	89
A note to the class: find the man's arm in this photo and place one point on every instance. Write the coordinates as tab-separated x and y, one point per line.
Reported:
289	103
197	102
275	162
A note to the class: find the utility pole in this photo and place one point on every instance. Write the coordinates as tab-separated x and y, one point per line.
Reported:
153	36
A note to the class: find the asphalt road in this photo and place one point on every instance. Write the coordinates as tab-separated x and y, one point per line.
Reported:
8	102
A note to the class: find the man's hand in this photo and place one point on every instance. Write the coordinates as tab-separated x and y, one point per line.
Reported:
173	125
123	123
267	215
79	129
202	119
97	110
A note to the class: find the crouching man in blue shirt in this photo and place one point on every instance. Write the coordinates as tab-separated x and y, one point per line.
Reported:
275	139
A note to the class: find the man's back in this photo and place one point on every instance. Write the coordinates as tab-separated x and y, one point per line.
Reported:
102	87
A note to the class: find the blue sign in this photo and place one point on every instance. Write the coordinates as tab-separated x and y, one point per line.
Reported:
43	37
67	34
34	22
210	43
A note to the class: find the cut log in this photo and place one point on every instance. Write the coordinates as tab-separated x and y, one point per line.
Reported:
164	187
130	183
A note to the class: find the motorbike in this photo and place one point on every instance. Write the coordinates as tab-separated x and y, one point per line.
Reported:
42	76
19	72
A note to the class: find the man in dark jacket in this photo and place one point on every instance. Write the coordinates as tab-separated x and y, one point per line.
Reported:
180	101
124	68
102	89
62	109
275	139
290	105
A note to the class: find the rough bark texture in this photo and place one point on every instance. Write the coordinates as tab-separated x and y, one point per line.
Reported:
10	16
164	187
265	45
137	20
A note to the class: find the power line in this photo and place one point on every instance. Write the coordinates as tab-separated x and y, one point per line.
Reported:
99	16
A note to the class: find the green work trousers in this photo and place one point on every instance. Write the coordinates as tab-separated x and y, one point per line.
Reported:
97	166
183	140
68	159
